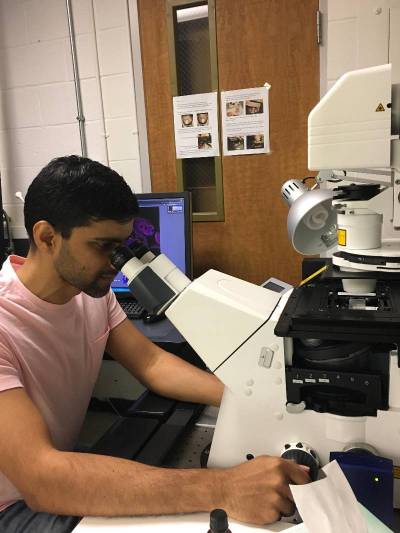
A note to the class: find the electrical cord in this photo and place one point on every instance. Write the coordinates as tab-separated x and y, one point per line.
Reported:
11	248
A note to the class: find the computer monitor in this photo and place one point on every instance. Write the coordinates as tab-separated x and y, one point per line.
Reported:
164	225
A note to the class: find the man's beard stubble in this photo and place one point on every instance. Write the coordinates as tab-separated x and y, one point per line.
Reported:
73	273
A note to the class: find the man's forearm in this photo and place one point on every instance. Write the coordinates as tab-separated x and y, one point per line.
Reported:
185	381
161	371
87	484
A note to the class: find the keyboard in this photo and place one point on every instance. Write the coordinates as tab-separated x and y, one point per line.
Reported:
133	309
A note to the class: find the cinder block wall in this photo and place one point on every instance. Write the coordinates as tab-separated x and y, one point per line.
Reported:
37	98
361	33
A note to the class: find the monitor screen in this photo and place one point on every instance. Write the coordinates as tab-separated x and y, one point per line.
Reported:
163	225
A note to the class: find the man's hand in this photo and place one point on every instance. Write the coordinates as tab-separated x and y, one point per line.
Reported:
258	492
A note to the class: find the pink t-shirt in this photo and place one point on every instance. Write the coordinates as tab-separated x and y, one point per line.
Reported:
54	352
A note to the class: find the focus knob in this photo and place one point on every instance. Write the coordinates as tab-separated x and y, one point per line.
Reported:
302	454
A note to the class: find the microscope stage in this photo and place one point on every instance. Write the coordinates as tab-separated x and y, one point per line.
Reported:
322	310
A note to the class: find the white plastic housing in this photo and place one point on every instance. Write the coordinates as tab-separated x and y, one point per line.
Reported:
132	268
351	126
363	230
169	272
217	313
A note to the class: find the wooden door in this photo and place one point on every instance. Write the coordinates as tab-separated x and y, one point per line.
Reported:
257	41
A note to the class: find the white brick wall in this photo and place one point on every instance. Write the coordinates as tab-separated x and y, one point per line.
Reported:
37	97
361	33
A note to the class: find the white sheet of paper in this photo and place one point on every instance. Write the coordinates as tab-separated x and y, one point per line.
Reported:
196	125
245	121
374	525
329	504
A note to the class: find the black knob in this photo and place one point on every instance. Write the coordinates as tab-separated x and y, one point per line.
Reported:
301	457
218	521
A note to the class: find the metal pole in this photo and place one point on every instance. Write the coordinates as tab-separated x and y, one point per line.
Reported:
80	117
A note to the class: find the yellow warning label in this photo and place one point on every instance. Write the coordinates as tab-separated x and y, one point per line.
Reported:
380	108
396	472
341	237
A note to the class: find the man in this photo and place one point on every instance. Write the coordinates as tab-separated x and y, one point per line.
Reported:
57	315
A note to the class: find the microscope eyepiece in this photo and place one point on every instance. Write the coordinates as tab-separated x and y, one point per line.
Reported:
139	250
154	287
120	256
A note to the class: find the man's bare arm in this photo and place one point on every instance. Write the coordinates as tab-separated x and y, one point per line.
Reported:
83	484
87	484
160	371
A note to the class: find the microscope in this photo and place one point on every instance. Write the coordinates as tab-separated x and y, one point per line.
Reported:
313	371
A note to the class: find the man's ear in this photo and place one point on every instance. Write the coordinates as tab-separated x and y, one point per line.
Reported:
44	236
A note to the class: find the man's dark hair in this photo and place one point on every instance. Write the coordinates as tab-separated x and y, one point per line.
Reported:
74	191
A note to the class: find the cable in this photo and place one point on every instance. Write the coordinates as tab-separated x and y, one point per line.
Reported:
11	249
18	195
316	273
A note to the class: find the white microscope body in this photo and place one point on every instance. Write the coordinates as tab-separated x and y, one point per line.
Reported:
270	399
230	323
